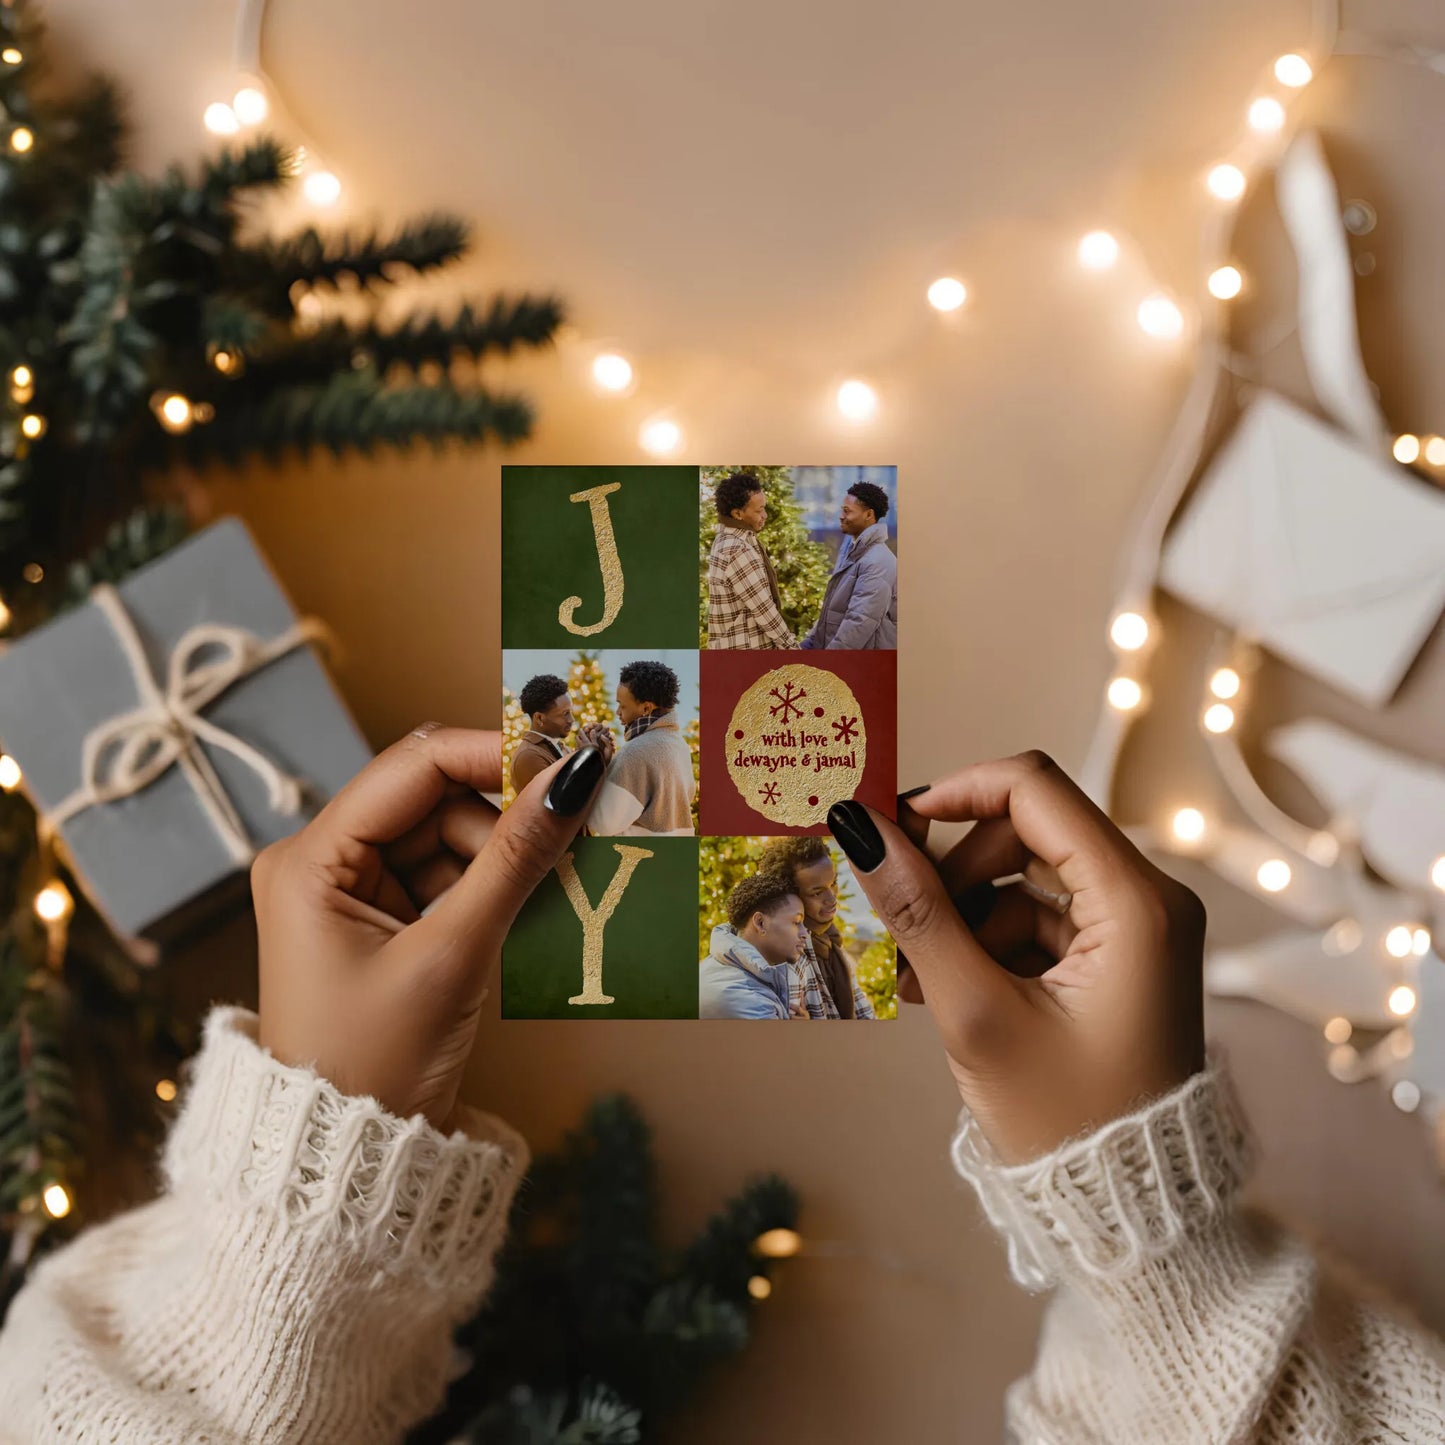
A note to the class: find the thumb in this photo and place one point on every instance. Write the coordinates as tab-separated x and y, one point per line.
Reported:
968	993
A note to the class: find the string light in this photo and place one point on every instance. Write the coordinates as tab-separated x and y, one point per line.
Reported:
1406	1095
760	1286
53	902
1226	283
612	372
947	294
220	119
1274	875
1129	631
1125	694
1293	71
33	572
1098	251
661	437
250	105
1159	317
32	425
857	400
322	188
175	412
1226	182
5	622
225	361
1437	872
1224	683
1420	942
56	1199
165	1090
1338	1030
1435	451
1402	1000
1219	717
1400	941
9	773
22	376
22	138
1406	448
1188	825
1266	114
778	1243
11	56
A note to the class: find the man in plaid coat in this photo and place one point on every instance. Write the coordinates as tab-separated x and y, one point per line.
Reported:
743	606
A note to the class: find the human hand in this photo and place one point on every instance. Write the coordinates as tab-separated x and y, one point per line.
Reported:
354	980
1053	1023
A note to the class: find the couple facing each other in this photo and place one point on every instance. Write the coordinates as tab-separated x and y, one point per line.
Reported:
649	785
780	954
744	610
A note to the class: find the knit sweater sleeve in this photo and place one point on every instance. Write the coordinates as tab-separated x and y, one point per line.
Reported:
298	1279
1178	1316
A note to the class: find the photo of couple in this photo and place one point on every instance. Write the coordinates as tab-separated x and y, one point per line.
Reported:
550	699
799	557
785	933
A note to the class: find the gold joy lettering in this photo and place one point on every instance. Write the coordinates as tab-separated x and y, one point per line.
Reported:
607	557
594	920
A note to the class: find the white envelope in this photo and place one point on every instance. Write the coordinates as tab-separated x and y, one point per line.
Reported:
1330	557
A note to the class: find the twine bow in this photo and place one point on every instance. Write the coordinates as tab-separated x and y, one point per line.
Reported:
129	751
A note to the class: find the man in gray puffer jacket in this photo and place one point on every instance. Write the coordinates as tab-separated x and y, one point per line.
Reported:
860	607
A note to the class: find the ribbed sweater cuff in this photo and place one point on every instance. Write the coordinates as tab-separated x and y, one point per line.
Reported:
1143	1186
391	1193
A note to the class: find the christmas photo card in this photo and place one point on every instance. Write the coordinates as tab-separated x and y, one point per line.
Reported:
727	636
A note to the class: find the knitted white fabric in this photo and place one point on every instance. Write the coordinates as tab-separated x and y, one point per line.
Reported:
1178	1316
298	1280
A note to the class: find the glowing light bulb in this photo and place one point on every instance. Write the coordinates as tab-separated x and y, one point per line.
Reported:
947	294
1159	317
1338	1030
322	188
1293	71
250	105
1435	451
1406	1095
1125	694
1420	942
53	902
165	1090
32	425
857	400
176	413
660	437
1406	448
9	773
224	361
22	138
1402	1000
220	119
778	1243
1437	872
1226	283
1226	182
22	377
1266	114
1188	825
11	56
760	1286
1129	631
1274	875
5	618
1098	251
1225	682
612	372
56	1200
1399	941
1219	717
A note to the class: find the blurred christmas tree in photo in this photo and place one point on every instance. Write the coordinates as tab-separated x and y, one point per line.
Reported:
801	565
148	331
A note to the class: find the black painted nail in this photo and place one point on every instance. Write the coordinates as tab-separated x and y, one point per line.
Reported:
571	789
857	834
914	792
975	903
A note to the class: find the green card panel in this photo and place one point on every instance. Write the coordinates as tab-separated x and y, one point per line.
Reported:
551	552
649	943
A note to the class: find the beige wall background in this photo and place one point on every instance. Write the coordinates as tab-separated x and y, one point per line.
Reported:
749	199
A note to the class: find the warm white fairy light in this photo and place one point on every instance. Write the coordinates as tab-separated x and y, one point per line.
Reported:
1339	1029
660	437
1226	182
1402	1000
948	293
1266	114
220	119
11	56
1129	631
1293	71
1226	283
1406	1095
1160	317
1219	717
1435	451
22	377
5	622
1273	875
250	105
32	425
1188	825
857	400
22	139
1125	694
176	413
1098	251
760	1286
1406	448
1400	940
56	1199
322	188
1224	683
612	372
1437	872
53	902
778	1243
1420	942
165	1090
9	773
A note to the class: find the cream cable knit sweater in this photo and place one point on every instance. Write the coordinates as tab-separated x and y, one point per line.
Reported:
298	1281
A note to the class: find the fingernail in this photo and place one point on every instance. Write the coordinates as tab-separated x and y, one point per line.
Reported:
975	903
857	834
572	788
914	792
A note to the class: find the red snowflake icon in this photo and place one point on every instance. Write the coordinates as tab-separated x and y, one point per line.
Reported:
771	793
789	696
846	729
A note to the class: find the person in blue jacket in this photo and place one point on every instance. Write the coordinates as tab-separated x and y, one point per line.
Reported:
860	607
751	970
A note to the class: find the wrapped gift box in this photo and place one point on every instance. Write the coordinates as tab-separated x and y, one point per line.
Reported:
240	737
